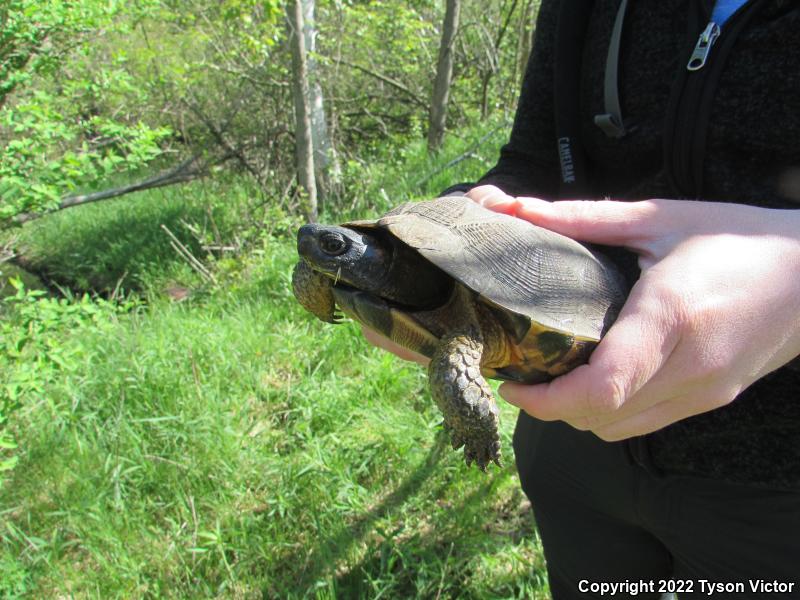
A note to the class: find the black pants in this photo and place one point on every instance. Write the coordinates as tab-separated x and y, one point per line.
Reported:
606	519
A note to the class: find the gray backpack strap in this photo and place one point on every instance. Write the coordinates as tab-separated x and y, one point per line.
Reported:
611	122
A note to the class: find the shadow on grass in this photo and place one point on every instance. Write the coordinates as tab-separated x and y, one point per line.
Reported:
333	548
441	562
327	561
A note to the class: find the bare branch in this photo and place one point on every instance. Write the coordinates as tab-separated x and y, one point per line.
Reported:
224	142
387	80
187	255
188	170
504	27
468	153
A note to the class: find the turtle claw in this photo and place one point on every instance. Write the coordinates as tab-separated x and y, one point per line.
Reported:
470	458
456	441
496	457
482	455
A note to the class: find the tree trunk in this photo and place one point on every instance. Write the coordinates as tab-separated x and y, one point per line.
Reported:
525	39
444	76
304	146
325	164
495	53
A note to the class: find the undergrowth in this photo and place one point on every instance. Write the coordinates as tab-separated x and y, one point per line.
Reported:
220	442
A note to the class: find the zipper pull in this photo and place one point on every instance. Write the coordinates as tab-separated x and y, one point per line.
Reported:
703	47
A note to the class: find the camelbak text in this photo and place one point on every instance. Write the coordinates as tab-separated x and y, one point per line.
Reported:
567	164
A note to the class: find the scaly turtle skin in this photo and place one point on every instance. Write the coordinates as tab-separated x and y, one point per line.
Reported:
480	293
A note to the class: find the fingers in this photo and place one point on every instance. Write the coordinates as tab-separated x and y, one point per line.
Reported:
689	337
630	224
662	414
493	198
647	421
383	342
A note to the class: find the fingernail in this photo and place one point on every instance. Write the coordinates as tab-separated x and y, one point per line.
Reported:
491	201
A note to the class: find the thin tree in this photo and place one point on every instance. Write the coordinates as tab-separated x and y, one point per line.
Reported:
304	146
524	39
326	165
444	76
492	53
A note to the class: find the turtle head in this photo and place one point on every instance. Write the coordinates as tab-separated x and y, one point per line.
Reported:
347	255
376	263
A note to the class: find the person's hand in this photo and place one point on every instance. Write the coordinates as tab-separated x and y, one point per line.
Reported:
716	308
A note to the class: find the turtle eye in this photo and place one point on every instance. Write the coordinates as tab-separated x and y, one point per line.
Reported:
332	244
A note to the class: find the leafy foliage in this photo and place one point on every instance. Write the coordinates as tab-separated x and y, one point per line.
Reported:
50	154
36	36
91	89
31	354
60	122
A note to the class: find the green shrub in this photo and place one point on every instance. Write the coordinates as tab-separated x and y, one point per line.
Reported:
32	354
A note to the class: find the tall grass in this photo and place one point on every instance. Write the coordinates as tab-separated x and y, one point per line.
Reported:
229	445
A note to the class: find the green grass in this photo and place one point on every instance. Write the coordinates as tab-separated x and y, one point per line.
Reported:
231	446
120	243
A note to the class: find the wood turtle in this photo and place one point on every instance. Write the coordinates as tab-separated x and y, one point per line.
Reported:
480	293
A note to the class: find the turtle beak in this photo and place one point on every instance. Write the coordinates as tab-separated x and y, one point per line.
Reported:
306	241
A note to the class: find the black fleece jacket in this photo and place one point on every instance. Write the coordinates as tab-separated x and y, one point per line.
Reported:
738	140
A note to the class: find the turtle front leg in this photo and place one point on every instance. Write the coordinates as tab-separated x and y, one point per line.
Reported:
464	397
314	291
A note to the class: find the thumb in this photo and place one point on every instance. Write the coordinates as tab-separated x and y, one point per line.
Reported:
630	224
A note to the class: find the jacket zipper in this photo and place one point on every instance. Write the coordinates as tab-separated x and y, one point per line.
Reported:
703	47
690	107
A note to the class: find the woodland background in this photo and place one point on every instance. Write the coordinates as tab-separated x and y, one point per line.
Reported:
172	424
